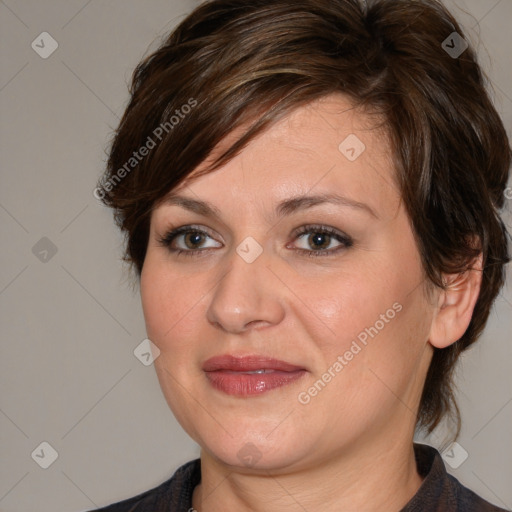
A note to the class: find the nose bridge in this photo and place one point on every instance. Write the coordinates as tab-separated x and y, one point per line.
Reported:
245	293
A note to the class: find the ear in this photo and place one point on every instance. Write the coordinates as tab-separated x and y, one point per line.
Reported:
455	305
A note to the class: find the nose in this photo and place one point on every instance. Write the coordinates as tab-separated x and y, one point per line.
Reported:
247	295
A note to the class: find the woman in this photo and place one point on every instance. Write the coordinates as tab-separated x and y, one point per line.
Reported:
311	192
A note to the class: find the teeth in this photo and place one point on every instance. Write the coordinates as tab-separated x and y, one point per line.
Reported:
259	371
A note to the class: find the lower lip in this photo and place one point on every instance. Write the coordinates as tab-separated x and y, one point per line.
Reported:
245	384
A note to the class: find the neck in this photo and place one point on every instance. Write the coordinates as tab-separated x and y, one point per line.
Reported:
375	476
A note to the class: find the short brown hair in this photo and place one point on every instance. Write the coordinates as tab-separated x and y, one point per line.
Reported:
253	61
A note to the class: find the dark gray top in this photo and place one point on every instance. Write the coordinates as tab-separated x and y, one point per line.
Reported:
439	492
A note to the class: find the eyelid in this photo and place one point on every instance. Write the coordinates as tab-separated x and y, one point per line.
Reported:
345	241
173	233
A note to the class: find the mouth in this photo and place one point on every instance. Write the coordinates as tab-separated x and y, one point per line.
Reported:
250	375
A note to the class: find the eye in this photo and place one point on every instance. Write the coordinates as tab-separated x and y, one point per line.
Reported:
191	237
321	238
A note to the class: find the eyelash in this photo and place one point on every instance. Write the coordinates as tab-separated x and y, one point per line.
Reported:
345	240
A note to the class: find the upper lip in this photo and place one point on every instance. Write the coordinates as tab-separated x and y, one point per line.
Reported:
247	364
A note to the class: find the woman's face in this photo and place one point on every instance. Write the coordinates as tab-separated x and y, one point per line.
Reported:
337	318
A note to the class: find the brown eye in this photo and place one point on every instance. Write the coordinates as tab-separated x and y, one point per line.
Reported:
192	238
185	239
319	240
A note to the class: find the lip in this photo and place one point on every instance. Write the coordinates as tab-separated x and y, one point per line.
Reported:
228	374
247	364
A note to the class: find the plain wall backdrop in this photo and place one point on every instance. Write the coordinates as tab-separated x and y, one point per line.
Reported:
70	321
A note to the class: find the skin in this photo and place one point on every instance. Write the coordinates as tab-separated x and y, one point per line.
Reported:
350	447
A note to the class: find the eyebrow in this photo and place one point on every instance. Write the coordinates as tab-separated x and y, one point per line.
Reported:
284	208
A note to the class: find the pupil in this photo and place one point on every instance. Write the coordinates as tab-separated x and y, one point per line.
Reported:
317	239
193	236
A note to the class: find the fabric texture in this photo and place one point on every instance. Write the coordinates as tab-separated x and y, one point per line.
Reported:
439	491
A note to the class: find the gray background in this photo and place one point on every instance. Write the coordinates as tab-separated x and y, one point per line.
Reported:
70	324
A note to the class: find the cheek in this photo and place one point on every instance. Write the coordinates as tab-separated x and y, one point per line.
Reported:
153	305
166	299
374	316
343	305
168	303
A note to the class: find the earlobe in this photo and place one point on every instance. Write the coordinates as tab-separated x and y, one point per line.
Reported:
455	305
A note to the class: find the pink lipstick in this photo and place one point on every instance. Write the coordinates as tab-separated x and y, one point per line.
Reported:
249	375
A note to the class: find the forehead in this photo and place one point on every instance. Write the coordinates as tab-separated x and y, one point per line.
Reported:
326	146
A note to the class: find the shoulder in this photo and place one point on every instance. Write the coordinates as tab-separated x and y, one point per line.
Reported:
176	492
468	501
440	491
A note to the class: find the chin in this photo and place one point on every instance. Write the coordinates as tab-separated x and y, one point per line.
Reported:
251	444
